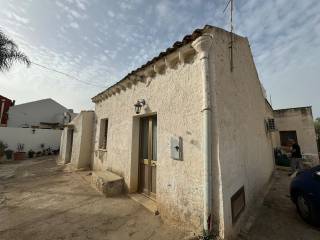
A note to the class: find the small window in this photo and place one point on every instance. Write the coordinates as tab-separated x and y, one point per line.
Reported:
103	133
271	125
238	203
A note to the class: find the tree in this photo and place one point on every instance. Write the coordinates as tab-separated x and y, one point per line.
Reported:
317	127
9	53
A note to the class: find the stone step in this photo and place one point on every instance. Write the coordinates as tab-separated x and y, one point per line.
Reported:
108	183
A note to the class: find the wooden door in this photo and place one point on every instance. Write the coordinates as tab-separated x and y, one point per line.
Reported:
148	156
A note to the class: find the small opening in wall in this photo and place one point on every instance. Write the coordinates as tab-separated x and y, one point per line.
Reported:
103	133
238	203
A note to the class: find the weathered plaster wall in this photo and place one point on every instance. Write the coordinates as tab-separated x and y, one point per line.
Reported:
85	156
63	146
245	148
176	98
301	121
82	126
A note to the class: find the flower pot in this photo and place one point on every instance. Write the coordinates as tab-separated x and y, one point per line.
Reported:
19	155
8	154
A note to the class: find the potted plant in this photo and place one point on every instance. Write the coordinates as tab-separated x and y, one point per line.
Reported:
49	151
3	147
8	154
43	150
19	154
31	153
55	152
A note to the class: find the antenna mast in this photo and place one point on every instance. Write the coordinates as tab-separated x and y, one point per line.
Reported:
230	2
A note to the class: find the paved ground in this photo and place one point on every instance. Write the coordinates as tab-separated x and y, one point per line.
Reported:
39	201
278	218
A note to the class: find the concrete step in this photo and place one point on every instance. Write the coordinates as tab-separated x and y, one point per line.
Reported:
148	203
108	183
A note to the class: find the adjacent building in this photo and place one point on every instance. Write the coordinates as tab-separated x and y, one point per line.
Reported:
45	113
5	104
191	130
298	124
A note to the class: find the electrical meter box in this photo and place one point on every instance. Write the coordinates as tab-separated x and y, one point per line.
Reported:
176	148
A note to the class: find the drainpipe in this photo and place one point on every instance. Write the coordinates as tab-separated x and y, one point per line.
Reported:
202	45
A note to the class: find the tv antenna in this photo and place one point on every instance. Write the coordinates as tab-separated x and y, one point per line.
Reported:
230	2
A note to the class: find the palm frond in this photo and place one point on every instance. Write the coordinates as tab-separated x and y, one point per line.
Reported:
9	53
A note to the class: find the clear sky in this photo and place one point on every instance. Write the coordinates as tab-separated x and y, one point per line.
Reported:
99	41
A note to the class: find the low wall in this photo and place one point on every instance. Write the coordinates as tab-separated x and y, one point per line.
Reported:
31	140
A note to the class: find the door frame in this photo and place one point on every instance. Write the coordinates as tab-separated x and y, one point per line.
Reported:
150	163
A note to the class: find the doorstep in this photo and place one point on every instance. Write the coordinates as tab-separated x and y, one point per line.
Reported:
148	203
107	183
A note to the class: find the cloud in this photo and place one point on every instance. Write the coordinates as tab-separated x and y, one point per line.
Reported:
74	25
111	14
17	18
119	36
82	4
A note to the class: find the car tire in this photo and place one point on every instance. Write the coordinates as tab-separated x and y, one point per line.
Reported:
306	209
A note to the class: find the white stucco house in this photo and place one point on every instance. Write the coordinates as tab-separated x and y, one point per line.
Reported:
189	130
298	124
44	113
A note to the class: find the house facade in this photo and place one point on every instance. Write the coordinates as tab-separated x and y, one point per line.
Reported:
45	113
188	130
298	124
76	141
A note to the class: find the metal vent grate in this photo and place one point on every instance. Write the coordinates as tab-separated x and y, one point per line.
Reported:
238	203
271	124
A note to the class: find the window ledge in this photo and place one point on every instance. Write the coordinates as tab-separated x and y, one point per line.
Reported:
102	150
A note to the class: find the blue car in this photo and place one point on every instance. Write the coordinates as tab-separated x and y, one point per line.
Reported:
305	193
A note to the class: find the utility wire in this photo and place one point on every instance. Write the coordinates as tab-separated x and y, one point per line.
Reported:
67	75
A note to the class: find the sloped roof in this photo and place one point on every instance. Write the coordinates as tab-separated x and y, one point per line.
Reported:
186	39
39	101
3	97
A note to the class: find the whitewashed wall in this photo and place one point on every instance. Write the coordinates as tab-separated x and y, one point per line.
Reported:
245	148
32	113
13	136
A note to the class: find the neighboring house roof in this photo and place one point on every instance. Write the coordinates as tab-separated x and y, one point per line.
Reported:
293	108
39	101
303	110
186	40
38	112
3	97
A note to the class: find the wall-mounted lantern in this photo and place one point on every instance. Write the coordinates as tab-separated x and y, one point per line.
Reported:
138	105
